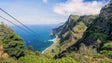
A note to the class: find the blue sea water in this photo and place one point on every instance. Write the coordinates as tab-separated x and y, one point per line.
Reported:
40	39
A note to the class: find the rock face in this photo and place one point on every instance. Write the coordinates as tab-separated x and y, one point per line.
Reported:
106	10
1	47
55	31
99	34
63	28
101	29
94	33
73	29
2	53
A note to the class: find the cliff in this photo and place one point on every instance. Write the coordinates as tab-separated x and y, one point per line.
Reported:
70	32
88	37
99	35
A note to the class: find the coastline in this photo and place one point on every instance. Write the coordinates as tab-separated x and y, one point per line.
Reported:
51	46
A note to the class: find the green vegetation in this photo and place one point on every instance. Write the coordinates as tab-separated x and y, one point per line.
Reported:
12	43
73	30
39	58
89	39
42	59
82	39
14	46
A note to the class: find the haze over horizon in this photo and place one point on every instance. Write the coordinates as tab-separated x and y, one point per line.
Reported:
33	12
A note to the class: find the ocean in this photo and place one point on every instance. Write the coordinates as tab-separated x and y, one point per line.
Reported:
40	39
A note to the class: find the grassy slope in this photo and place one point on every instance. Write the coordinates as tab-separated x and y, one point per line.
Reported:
95	45
14	46
73	30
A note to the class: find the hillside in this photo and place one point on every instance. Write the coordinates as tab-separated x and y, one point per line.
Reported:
99	35
73	29
13	50
11	42
81	39
87	37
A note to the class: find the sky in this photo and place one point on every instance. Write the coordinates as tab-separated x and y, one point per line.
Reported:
32	12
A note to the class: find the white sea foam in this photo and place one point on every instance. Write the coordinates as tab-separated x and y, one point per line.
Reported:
44	50
52	40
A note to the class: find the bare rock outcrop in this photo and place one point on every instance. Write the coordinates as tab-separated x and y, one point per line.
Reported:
2	53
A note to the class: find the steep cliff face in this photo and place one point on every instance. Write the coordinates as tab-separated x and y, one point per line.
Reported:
101	29
95	37
56	30
73	29
106	10
99	35
65	27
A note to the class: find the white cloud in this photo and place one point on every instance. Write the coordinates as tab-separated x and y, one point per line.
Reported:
78	7
45	1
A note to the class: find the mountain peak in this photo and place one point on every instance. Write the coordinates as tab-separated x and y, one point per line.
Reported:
106	10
